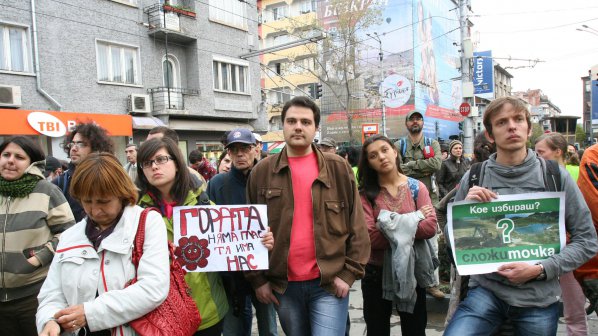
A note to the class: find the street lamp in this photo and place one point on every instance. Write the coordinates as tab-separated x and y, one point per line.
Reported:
376	38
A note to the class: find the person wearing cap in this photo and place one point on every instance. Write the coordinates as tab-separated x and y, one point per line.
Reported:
258	146
229	188
452	169
421	159
316	216
327	145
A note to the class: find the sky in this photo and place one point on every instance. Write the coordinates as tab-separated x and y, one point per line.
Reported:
544	30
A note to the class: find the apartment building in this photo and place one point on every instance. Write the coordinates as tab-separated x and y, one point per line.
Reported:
173	63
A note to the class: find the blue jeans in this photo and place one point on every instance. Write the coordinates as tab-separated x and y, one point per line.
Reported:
307	309
482	313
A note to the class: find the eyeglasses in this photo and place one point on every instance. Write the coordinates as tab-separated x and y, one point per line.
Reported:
78	144
416	119
160	160
242	149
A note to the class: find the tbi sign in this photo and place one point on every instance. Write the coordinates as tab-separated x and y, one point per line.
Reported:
464	109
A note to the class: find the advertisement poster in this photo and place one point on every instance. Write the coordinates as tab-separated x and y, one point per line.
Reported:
220	237
513	228
483	74
418	68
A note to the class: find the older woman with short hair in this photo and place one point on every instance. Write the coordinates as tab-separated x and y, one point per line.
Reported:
86	290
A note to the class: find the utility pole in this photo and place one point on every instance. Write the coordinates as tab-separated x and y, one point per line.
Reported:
466	77
380	58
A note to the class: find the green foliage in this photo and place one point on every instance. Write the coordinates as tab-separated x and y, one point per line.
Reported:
580	135
537	132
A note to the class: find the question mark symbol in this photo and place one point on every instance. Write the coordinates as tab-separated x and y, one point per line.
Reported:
508	226
537	205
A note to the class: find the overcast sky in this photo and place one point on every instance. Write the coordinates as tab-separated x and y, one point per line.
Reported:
544	30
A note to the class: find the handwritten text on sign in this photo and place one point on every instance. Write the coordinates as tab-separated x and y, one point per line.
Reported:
220	237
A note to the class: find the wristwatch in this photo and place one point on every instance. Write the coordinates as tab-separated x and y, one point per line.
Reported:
542	275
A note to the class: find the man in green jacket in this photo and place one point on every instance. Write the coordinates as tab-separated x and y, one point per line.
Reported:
421	159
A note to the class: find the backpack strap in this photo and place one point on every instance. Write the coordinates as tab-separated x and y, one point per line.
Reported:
553	176
403	147
474	174
414	188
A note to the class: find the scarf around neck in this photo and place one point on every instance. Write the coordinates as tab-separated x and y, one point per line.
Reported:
20	187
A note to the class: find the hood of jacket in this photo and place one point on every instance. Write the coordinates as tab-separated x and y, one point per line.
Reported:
37	168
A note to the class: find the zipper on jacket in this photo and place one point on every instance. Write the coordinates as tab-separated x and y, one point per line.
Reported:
313	229
4	247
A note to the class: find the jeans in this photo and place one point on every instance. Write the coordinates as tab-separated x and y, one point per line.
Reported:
241	325
482	313
17	317
377	311
307	309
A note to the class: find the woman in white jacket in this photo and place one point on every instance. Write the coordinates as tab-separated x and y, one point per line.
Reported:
85	291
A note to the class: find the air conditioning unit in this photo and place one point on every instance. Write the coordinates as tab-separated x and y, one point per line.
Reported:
139	103
10	96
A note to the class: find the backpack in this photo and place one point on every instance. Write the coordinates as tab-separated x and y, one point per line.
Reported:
403	145
552	174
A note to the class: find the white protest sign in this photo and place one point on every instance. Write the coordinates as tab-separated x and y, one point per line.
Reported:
220	237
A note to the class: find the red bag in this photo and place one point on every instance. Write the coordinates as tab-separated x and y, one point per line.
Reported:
178	314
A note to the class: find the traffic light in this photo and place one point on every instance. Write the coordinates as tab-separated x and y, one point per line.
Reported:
312	91
318	90
460	126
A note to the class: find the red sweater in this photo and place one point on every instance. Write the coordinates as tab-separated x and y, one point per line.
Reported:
402	203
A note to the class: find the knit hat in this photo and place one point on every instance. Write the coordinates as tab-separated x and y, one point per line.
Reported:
453	144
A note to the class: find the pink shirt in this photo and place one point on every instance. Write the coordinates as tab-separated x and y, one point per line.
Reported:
402	203
302	250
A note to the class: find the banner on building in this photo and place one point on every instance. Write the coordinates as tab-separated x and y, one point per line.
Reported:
513	228
220	237
594	93
483	74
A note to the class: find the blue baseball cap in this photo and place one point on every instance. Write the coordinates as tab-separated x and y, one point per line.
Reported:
240	135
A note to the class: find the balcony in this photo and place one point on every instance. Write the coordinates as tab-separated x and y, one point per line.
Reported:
170	22
170	100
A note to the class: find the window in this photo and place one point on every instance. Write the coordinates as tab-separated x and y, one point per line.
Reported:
118	63
308	6
229	12
279	12
14	49
230	77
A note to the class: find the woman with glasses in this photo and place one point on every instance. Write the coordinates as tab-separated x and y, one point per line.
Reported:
86	290
34	213
165	182
383	186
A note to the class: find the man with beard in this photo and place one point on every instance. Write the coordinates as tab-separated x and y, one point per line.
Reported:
421	159
84	139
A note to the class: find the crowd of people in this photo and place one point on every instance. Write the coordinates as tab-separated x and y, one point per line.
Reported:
335	215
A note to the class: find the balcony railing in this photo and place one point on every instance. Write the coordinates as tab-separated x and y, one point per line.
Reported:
164	98
166	19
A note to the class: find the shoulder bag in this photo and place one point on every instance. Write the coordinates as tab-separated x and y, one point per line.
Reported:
178	314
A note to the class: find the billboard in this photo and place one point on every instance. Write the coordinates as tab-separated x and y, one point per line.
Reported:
483	74
418	70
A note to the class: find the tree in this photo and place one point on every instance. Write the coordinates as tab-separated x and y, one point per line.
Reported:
336	59
537	132
580	135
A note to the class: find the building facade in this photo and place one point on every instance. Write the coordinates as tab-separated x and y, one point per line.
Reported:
175	64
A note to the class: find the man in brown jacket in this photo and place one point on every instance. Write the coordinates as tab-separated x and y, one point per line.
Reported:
321	240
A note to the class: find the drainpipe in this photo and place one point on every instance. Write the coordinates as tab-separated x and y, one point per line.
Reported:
36	61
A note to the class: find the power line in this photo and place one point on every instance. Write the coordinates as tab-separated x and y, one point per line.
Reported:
541	29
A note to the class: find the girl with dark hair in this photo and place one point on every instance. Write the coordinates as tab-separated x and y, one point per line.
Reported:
34	213
224	162
387	192
165	182
452	169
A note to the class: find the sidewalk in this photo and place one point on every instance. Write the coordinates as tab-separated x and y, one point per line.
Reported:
435	319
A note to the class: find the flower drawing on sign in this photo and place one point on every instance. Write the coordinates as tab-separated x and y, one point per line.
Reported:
192	252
